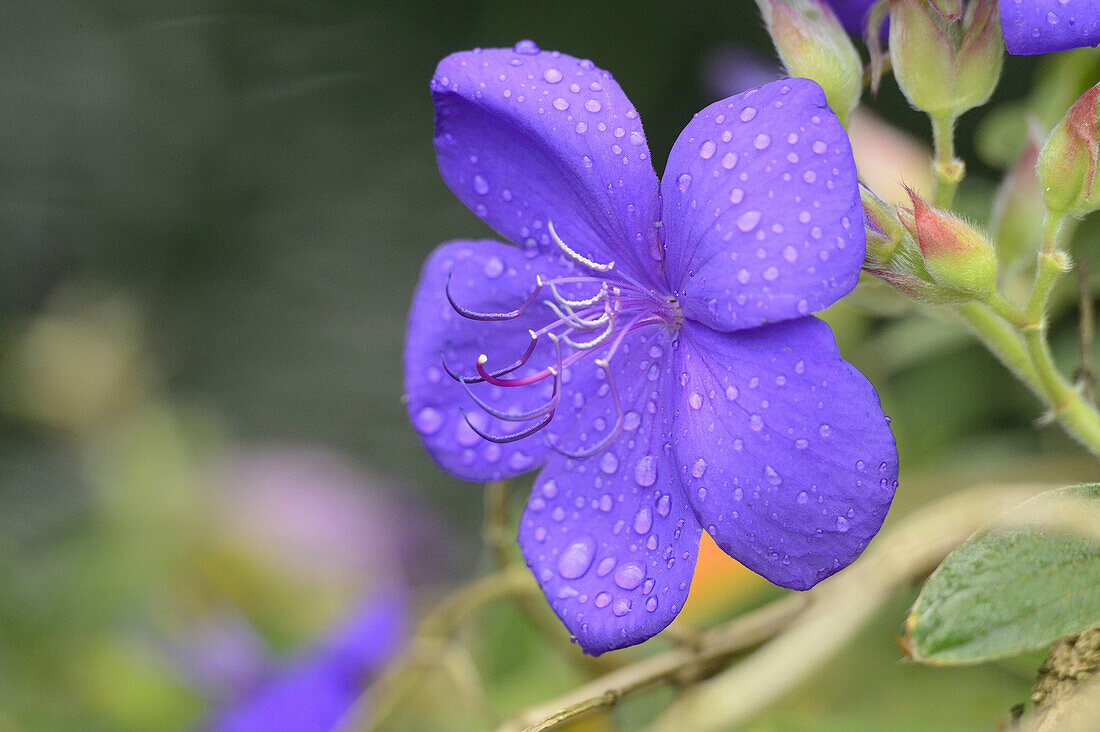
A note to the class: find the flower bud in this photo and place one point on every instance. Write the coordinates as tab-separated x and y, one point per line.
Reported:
957	257
1018	209
884	231
946	60
813	44
1067	162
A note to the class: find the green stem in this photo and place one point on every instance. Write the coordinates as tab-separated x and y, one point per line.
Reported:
1018	338
949	170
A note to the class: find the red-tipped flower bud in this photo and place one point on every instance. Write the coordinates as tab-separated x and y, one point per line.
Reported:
958	257
813	44
1067	162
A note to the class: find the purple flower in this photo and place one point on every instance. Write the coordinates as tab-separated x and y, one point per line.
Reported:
316	692
852	14
649	347
1042	26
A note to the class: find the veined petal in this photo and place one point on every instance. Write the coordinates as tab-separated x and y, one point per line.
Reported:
526	138
762	219
1043	26
787	458
485	276
610	538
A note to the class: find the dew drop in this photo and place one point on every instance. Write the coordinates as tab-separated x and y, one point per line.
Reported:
481	186
526	48
773	477
494	267
695	400
699	468
841	524
629	575
576	558
603	600
729	160
731	392
664	505
621	607
643	521
737	195
683	182
552	76
609	463
561	104
762	141
706	150
802	497
824	430
748	221
645	471
605	566
748	114
651	604
429	421
593	105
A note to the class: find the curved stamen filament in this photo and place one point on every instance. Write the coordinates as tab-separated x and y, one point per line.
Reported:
548	408
576	303
500	372
616	429
502	439
475	315
578	322
595	266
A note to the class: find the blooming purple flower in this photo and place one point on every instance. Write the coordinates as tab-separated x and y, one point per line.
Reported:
1042	26
316	692
649	346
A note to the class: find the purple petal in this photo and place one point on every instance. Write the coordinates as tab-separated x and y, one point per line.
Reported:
1043	26
852	14
761	208
526	137
787	458
610	538
318	691
484	276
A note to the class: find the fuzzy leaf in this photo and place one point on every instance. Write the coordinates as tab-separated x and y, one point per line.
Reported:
1016	585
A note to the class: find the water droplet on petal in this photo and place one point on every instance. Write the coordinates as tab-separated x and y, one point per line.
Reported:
593	105
748	114
481	186
494	267
643	521
729	160
802	497
609	463
428	421
664	505
629	575
561	104
621	607
645	471
773	477
683	182
841	524
699	468
552	76
576	558
695	400
526	47
706	150
603	599
762	141
748	221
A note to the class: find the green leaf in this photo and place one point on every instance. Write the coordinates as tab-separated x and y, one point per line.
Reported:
1018	584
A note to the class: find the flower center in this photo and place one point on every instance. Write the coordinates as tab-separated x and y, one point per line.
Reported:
600	311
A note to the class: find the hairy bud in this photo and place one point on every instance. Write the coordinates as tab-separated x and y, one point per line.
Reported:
1067	162
957	256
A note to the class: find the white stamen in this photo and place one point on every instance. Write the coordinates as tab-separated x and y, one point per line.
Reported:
573	255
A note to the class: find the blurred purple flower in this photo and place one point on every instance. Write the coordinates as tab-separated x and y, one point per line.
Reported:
653	346
852	14
316	692
730	70
1042	26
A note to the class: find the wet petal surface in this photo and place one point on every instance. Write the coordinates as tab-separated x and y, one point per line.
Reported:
1043	26
761	212
610	538
526	137
786	456
484	276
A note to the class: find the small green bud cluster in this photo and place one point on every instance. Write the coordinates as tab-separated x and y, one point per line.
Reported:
929	254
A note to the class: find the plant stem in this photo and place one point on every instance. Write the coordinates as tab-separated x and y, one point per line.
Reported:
949	170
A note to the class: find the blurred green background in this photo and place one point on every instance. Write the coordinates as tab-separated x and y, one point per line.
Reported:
212	216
